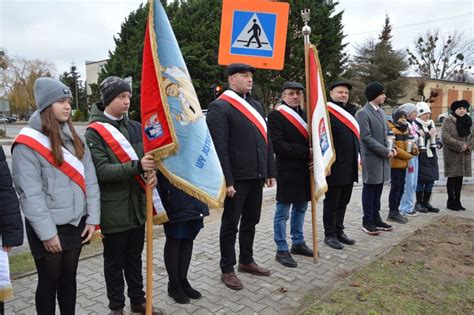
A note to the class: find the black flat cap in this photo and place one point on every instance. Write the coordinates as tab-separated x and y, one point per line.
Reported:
340	83
238	67
292	85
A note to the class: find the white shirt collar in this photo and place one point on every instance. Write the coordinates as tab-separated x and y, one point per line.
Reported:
112	117
376	107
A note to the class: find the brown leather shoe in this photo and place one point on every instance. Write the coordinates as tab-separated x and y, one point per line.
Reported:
254	269
231	281
141	309
117	312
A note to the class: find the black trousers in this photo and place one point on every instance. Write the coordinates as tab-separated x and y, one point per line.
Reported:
371	194
57	277
454	186
244	207
397	187
334	209
123	256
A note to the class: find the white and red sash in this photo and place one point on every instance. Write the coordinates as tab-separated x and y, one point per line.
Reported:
72	167
345	117
295	119
348	120
247	110
125	153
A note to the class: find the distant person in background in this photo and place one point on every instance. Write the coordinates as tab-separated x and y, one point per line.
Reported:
375	156
59	195
407	204
428	170
11	228
457	135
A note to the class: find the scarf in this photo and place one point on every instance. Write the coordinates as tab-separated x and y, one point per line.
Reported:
463	124
427	125
401	127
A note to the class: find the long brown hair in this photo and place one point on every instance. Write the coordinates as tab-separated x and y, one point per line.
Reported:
50	127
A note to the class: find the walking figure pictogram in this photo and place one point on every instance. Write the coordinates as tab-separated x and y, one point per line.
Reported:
257	31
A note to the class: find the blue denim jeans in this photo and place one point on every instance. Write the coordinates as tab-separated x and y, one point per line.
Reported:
282	210
411	180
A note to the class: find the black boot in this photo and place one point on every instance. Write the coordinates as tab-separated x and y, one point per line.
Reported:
395	216
426	202
458	202
451	204
419	206
189	290
457	193
177	293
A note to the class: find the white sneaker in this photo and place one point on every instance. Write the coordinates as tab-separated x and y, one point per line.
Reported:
410	214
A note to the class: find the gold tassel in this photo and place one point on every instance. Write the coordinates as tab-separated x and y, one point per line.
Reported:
6	293
160	218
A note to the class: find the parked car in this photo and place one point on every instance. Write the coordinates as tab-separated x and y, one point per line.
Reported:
442	117
9	119
3	120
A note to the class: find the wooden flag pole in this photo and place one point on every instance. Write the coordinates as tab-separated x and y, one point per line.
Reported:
149	245
305	14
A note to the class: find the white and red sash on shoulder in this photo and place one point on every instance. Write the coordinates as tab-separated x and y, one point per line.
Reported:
72	167
295	119
247	110
345	117
125	153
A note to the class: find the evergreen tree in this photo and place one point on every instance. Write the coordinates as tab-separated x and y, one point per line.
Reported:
326	35
196	24
72	79
126	59
378	61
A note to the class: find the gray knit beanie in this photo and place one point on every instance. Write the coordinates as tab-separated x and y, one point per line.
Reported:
408	108
49	91
112	87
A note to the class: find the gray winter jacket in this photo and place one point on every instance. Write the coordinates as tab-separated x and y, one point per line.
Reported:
47	196
373	146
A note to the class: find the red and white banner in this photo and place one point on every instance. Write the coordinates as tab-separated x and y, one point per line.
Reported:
72	167
323	147
173	125
294	119
247	110
125	153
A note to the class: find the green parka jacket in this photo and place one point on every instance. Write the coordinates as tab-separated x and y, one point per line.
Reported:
123	205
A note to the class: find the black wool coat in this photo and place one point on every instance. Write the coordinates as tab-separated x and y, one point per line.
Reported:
344	170
292	158
243	152
179	206
428	169
11	224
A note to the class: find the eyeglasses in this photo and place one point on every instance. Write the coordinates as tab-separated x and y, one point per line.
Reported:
293	93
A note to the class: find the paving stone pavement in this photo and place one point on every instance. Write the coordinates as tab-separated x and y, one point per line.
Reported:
260	295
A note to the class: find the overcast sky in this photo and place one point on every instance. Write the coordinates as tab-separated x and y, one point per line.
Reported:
62	31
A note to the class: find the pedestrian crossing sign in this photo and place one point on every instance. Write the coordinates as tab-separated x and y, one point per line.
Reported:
253	33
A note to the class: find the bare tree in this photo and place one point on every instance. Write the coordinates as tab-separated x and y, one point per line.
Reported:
442	58
17	77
